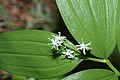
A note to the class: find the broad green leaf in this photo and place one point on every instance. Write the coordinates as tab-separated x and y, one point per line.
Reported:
28	53
92	20
93	74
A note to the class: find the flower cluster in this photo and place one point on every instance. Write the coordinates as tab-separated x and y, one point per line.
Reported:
57	42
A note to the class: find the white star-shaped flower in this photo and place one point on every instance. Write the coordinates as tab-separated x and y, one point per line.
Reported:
83	46
57	41
59	37
69	54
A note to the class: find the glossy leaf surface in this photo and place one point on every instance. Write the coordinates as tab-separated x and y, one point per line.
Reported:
92	20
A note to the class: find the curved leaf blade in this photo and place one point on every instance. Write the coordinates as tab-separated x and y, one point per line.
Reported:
27	53
92	20
95	74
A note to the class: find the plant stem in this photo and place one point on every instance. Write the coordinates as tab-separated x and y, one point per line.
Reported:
105	61
112	67
96	60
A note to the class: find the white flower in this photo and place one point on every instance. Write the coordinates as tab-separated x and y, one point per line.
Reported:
59	37
57	41
83	46
69	54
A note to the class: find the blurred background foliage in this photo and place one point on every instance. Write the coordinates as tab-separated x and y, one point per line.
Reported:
28	14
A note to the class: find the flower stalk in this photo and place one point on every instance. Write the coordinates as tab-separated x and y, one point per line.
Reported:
107	62
112	67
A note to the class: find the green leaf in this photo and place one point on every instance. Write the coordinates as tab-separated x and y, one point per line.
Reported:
16	77
28	53
92	20
93	74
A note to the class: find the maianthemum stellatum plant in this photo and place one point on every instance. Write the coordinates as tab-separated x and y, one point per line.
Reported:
95	24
